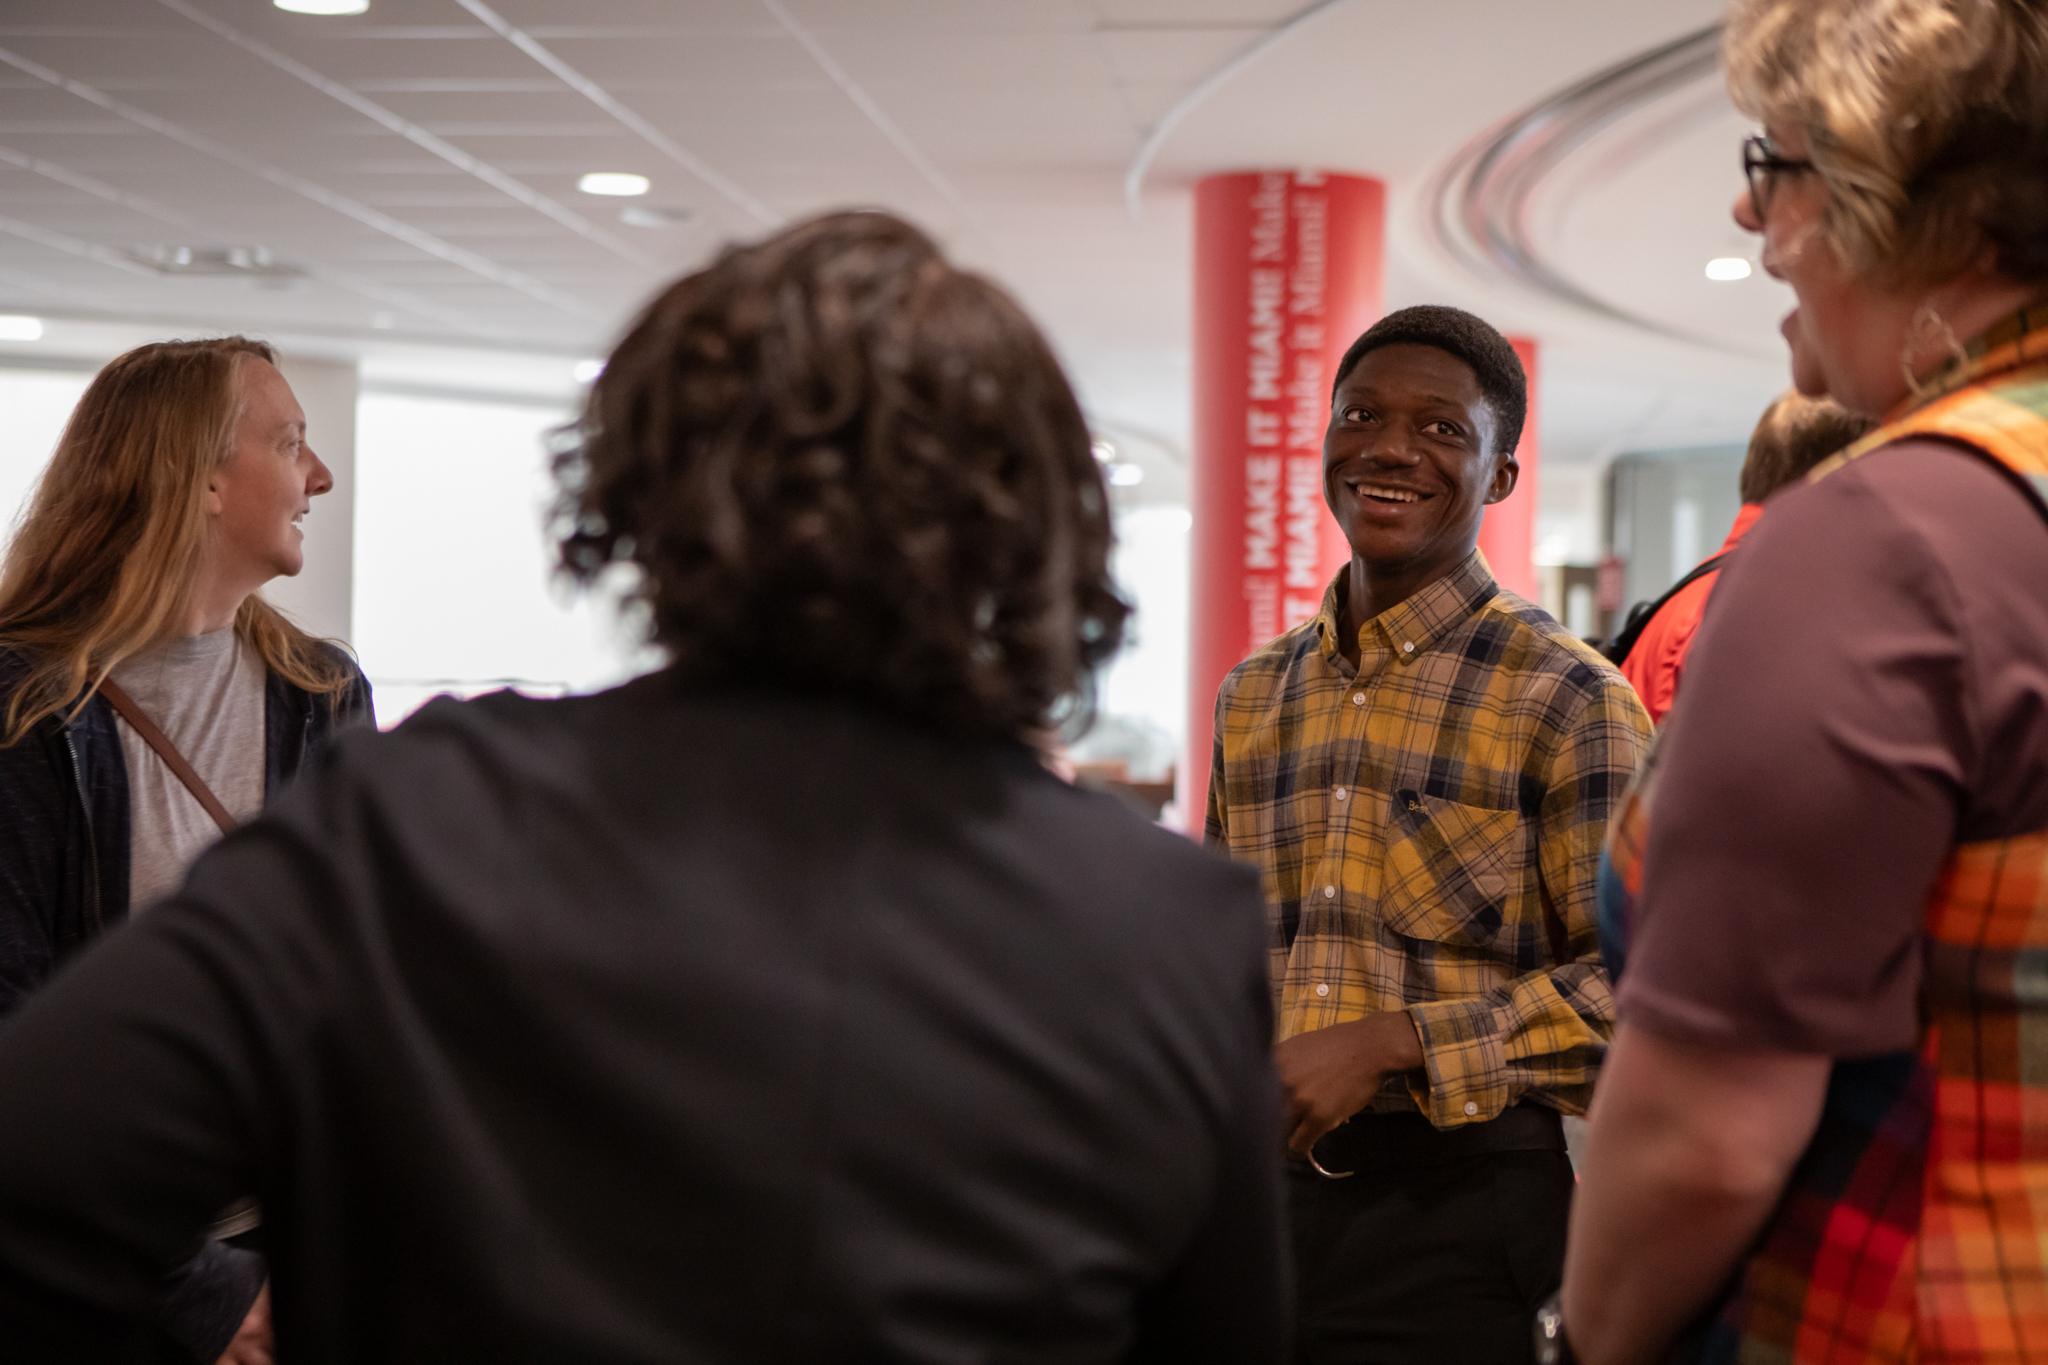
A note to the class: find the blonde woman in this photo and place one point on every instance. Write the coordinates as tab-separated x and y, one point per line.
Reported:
174	495
1821	1133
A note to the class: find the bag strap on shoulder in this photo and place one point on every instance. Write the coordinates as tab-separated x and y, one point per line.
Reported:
1638	620
168	752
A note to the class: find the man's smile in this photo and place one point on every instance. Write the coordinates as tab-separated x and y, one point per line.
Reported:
1384	492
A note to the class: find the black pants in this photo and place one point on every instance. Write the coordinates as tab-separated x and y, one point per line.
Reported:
1436	1262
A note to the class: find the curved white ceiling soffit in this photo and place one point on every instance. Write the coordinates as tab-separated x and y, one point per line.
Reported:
1480	208
1134	178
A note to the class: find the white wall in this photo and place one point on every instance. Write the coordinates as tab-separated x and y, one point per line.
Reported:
454	583
34	405
1568	513
1141	696
455	590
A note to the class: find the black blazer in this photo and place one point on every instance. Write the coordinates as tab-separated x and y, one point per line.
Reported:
663	1026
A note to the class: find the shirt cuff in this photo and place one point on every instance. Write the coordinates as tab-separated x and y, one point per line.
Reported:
1464	1065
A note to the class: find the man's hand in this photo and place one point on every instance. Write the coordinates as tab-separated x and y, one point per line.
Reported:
1332	1073
252	1343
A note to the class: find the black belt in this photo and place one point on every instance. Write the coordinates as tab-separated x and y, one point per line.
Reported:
1371	1141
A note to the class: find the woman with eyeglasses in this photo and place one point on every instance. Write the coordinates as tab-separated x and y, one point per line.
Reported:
1822	1131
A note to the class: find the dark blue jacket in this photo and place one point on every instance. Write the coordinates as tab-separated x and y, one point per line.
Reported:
64	817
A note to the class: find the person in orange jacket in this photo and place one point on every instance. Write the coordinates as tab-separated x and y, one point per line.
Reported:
1794	435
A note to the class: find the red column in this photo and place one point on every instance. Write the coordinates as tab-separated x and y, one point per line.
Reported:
1508	535
1288	267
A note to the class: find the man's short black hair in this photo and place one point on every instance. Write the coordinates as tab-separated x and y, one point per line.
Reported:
1472	340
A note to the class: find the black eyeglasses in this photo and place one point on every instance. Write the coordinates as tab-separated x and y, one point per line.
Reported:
1761	166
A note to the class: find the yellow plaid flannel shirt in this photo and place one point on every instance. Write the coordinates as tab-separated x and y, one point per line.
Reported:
1428	831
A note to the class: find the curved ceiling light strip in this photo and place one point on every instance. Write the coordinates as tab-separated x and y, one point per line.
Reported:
1134	178
1478	205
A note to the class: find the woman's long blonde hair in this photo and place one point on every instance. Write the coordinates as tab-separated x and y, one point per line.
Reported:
104	562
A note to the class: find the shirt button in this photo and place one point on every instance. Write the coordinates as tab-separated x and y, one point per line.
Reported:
1322	988
1407	646
1471	1109
1329	893
1341	793
1358	698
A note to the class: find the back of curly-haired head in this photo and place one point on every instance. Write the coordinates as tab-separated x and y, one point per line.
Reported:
1927	119
844	466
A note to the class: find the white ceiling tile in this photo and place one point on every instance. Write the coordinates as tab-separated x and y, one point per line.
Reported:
1199	13
1177	57
1050	63
541	16
830	18
726	60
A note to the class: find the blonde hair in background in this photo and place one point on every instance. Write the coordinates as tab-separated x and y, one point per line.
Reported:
1927	119
104	562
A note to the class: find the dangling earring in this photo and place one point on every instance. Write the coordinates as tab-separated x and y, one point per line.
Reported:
1929	329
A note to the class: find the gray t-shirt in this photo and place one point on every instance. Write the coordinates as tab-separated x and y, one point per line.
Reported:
205	692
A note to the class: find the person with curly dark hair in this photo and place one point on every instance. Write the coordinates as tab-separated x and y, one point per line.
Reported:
896	472
778	1005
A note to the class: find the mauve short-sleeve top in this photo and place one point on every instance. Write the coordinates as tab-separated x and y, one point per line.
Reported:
1869	688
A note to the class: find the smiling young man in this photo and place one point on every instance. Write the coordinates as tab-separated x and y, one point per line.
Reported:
1423	774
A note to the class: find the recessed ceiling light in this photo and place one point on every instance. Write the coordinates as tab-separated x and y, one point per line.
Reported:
612	182
587	370
1104	451
1126	475
323	6
1727	268
17	327
654	216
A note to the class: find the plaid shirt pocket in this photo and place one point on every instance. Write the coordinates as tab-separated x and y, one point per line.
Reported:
1447	869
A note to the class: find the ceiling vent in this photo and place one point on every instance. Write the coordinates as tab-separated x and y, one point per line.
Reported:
248	262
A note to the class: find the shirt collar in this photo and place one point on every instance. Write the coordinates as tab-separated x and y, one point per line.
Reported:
1408	629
